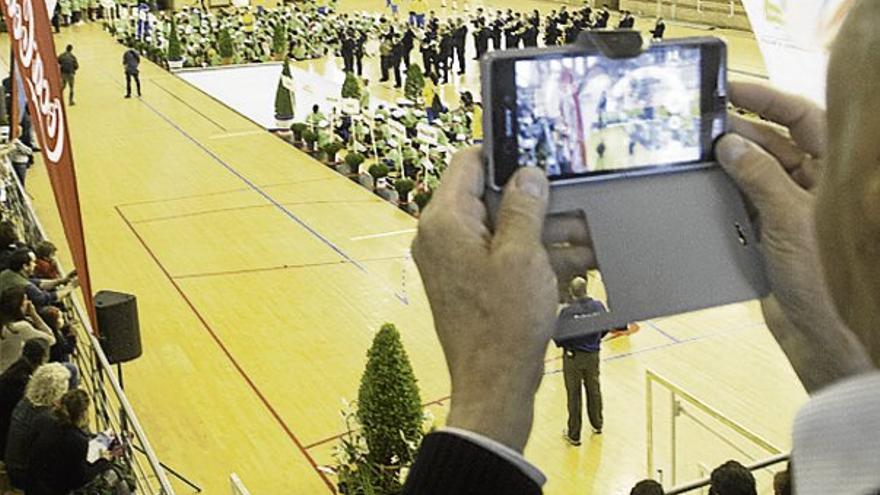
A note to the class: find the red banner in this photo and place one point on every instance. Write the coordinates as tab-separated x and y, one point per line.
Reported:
36	62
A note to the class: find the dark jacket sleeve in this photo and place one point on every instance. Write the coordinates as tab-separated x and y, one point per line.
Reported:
449	464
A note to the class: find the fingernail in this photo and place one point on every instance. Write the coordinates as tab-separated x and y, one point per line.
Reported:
531	181
731	147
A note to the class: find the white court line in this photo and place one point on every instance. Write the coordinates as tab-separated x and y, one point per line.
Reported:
383	234
236	134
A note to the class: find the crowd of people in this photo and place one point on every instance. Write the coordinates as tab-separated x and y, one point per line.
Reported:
44	415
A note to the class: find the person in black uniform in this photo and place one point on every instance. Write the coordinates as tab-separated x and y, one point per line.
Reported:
442	62
481	38
659	30
459	36
408	41
360	43
428	47
530	34
497	31
602	19
629	21
347	42
396	58
551	31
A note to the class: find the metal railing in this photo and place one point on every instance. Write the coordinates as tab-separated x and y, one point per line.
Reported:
701	6
678	397
112	409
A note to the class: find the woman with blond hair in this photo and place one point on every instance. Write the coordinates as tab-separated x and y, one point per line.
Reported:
46	387
58	455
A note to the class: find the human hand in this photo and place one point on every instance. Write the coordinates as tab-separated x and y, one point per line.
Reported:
778	173
493	295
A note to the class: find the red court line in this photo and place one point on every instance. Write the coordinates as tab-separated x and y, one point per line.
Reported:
229	355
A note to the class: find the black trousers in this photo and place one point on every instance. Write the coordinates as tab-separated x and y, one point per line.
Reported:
359	64
459	52
128	77
384	63
347	62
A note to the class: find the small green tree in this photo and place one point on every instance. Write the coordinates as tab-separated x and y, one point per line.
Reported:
354	159
284	95
415	83
403	187
389	407
279	39
351	88
422	198
224	44
174	50
378	170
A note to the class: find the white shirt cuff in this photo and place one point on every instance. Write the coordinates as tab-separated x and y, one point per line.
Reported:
502	451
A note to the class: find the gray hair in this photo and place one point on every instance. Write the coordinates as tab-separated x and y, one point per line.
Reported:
48	383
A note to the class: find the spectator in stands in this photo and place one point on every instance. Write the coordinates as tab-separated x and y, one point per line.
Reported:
42	292
19	322
9	242
14	380
58	463
732	478
46	267
65	339
647	487
48	384
782	482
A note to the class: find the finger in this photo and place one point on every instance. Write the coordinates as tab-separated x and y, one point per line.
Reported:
805	120
523	206
777	144
568	228
463	180
759	176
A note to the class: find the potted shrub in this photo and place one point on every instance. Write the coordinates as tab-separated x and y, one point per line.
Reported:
403	186
422	198
175	53
279	42
297	130
385	428
415	83
378	170
224	46
284	99
354	160
331	149
309	137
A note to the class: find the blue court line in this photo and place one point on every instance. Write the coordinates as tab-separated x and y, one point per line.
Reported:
661	331
267	197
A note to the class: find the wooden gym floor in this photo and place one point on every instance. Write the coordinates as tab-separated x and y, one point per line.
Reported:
261	276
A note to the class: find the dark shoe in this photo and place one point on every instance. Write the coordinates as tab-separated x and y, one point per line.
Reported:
128	96
571	441
597	431
72	103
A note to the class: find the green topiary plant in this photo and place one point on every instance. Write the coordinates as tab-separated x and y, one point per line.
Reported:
224	45
351	88
403	187
331	149
422	198
389	407
415	83
309	137
174	50
354	160
284	95
378	170
279	39
297	128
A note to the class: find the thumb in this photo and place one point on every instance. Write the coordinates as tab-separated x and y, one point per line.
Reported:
523	206
759	175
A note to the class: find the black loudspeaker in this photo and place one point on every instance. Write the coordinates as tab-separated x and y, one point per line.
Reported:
118	327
